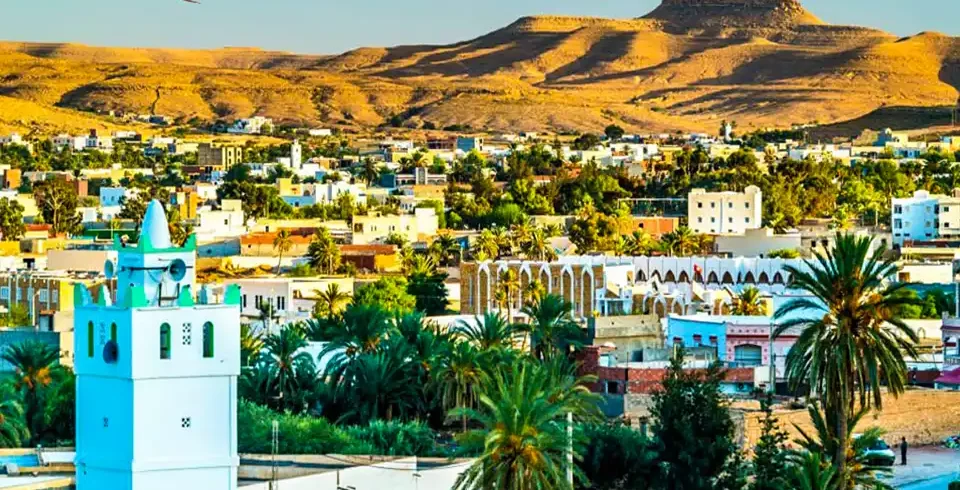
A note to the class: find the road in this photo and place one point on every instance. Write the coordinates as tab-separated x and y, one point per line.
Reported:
939	483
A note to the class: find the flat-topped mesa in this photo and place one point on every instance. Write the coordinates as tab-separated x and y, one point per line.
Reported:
734	14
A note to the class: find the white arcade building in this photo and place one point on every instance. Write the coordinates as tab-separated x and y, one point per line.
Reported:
157	366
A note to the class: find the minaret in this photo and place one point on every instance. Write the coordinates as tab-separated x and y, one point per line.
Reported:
296	155
157	371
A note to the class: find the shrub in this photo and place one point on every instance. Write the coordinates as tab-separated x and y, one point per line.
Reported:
396	438
617	456
954	485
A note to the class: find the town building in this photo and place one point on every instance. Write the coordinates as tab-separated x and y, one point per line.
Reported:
228	221
758	242
925	217
47	296
724	212
284	300
157	365
375	227
216	157
252	125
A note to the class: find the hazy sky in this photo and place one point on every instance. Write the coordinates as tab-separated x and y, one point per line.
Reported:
332	26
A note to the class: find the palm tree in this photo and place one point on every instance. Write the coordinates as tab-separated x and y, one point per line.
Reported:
852	340
810	471
861	472
486	243
282	243
369	171
285	356
638	243
267	314
323	252
331	301
458	376
492	331
552	327
537	247
749	303
508	286
534	292
522	441
33	363
378	384
680	241
446	250
13	429
364	327
251	344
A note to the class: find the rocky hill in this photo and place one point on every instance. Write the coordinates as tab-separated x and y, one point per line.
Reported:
684	66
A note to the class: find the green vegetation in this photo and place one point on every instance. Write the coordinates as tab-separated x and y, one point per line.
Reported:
37	402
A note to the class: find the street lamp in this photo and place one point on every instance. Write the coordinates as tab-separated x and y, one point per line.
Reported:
33	310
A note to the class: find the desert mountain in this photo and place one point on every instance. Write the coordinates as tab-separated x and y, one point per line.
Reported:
684	66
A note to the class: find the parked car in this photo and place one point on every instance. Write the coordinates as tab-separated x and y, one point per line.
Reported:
879	454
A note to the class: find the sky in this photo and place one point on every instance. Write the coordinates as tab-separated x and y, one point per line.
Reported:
334	26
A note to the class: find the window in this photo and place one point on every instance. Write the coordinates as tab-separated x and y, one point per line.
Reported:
5	292
44	296
244	301
187	334
747	205
185	423
613	387
746	220
207	340
698	339
713	220
55	295
699	220
946	225
898	224
898	209
713	340
700	205
281	303
945	209
113	332
730	220
90	339
165	341
730	205
713	205
678	341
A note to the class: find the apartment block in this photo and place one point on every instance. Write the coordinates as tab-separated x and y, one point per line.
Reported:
718	213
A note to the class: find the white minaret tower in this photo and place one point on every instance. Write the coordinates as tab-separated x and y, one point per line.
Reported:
296	155
157	371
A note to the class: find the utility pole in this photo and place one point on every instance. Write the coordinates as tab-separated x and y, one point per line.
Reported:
570	450
275	443
772	383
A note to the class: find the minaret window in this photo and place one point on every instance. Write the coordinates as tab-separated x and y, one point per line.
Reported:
208	340
90	339
165	341
113	332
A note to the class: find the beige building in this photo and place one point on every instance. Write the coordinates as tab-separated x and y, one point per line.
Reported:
211	157
724	212
756	243
376	227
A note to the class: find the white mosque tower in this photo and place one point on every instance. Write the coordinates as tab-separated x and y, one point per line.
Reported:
157	368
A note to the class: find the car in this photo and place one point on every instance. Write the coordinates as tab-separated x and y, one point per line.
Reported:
880	454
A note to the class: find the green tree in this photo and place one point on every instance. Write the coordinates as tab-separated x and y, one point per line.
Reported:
618	457
459	374
693	428
522	440
282	243
492	331
11	220
427	285
34	363
251	344
323	251
388	292
13	428
291	368
330	301
613	132
749	302
770	453
586	141
552	327
57	201
852	341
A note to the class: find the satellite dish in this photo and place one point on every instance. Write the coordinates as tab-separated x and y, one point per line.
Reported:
177	270
109	269
111	352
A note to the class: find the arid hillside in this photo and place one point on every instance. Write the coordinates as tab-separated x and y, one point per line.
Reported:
685	66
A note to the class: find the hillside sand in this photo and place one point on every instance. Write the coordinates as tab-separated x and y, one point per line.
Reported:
685	66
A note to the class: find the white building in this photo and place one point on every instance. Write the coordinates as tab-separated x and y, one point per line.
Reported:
290	299
925	216
100	143
65	142
228	221
376	227
296	155
253	125
157	373
724	212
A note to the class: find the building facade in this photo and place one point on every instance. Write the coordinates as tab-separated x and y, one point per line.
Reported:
925	216
157	369
724	212
212	157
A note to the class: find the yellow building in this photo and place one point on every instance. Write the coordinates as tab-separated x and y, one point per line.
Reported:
186	203
211	156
